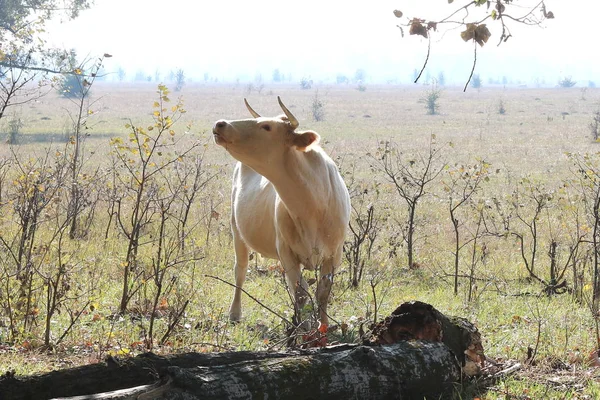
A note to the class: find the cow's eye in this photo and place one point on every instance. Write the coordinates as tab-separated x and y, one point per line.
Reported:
267	127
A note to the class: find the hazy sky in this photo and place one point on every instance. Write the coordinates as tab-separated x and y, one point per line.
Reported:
231	39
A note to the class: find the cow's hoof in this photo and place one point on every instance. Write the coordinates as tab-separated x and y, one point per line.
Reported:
235	317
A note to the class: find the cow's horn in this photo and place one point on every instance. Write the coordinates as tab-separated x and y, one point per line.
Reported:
254	113
291	118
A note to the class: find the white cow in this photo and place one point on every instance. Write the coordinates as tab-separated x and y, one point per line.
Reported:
289	202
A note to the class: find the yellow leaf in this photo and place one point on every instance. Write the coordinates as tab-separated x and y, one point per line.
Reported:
156	113
172	132
156	104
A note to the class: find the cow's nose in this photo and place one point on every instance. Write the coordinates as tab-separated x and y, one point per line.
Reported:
220	124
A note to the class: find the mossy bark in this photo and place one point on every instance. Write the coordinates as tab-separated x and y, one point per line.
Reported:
417	352
406	370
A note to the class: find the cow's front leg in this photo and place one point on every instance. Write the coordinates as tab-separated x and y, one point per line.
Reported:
240	268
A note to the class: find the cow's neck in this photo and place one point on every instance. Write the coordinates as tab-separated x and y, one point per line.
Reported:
296	181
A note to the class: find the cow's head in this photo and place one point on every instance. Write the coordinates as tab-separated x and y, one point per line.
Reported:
262	138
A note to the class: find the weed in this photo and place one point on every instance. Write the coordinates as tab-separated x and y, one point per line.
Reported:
317	108
431	99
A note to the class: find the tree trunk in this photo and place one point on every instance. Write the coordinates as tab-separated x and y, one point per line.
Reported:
387	366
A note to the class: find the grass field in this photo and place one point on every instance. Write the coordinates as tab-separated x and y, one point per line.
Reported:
531	139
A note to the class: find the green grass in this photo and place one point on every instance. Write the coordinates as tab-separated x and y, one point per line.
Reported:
509	310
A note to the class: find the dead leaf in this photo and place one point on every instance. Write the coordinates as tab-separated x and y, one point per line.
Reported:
417	28
482	34
469	33
479	33
594	359
398	13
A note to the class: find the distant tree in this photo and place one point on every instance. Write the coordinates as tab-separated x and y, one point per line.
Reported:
121	74
566	82
140	76
306	83
276	75
432	96
415	75
428	77
179	79
476	81
341	78
317	108
591	84
360	75
73	85
206	77
441	79
156	75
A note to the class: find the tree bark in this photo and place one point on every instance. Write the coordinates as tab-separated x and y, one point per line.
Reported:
417	352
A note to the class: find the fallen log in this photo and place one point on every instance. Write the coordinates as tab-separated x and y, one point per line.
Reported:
417	352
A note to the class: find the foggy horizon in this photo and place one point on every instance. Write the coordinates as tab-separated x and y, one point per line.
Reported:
238	42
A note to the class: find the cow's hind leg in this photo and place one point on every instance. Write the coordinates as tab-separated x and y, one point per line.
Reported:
240	268
324	285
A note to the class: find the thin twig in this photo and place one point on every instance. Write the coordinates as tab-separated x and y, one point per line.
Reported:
175	321
252	297
472	69
73	321
426	59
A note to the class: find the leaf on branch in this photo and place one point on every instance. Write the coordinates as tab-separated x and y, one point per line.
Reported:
479	33
417	27
432	25
482	34
549	14
398	13
469	33
106	55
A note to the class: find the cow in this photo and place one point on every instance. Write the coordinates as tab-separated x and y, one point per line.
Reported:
289	203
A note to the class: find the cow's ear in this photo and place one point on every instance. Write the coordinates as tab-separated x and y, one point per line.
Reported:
304	140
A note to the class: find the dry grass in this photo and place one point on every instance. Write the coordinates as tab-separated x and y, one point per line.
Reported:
532	137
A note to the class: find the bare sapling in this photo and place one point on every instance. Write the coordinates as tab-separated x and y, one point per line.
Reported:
150	152
412	175
25	239
79	96
365	225
190	180
587	172
461	183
